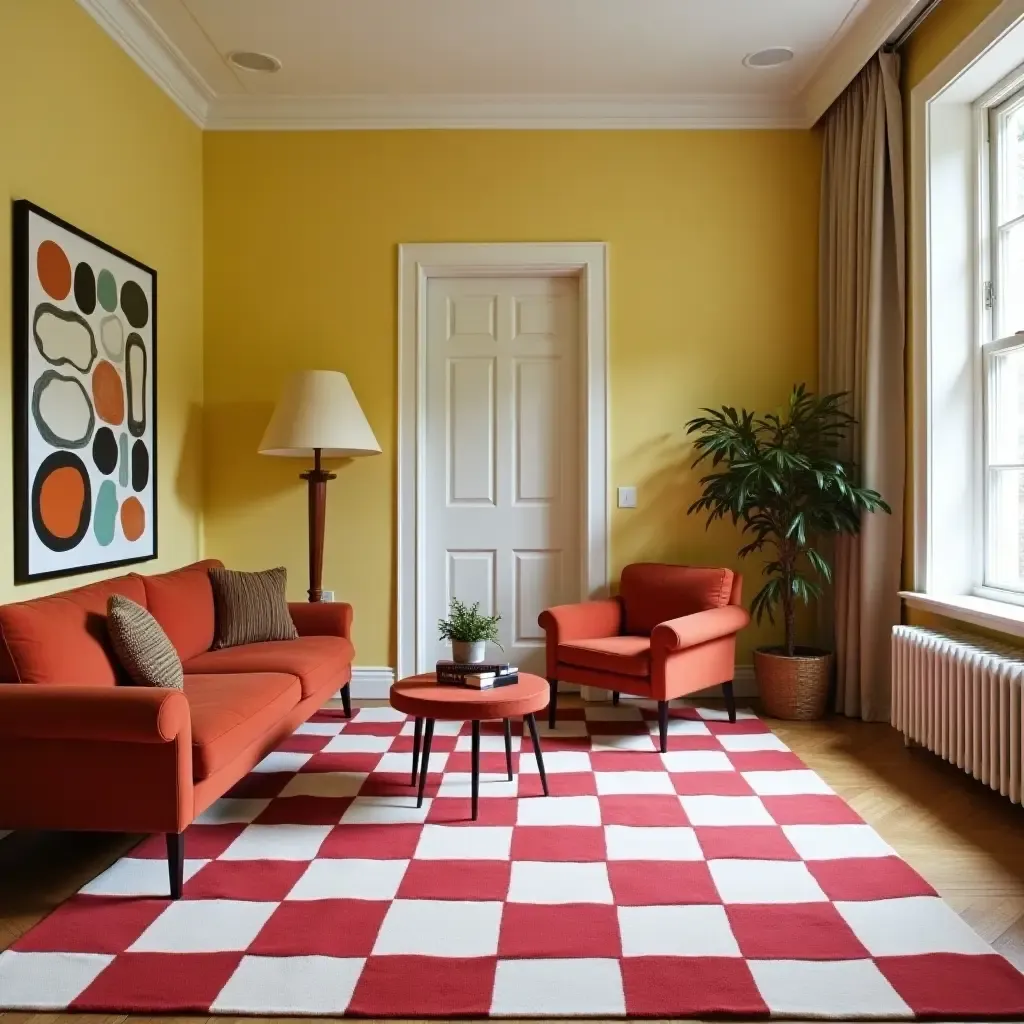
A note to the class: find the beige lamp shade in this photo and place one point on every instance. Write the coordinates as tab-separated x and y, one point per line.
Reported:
318	409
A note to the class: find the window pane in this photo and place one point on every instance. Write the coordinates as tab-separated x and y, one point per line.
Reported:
1006	407
1012	171
1006	529
1011	280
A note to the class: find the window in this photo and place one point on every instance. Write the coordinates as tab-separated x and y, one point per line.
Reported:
1002	373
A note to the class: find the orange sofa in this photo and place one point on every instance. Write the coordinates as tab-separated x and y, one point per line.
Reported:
80	751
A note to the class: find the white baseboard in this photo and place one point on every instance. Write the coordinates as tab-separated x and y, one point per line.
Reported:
373	682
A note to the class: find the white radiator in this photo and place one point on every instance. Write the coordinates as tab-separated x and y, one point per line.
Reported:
960	696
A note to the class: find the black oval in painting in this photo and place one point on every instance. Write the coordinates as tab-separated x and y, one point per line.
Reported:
140	466
104	450
85	288
134	304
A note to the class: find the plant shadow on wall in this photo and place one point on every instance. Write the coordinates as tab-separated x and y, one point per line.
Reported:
784	479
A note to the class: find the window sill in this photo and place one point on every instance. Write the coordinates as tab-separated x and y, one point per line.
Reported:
1001	616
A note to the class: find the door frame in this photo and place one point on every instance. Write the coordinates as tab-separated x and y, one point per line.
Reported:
417	264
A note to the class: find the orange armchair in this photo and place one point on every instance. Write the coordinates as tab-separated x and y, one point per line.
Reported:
671	631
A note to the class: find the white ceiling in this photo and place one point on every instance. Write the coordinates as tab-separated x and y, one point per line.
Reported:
383	63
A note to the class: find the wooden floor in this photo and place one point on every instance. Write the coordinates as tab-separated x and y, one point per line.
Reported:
966	840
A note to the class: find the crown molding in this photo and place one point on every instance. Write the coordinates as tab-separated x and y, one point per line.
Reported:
143	40
279	113
864	32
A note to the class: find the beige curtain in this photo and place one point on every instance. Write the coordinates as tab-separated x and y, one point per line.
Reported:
862	329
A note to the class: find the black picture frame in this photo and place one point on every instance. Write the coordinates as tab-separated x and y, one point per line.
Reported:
22	210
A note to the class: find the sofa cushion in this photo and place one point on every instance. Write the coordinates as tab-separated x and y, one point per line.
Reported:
652	593
142	646
251	607
231	712
182	602
63	638
624	655
316	660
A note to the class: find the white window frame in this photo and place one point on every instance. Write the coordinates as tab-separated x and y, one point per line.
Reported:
950	261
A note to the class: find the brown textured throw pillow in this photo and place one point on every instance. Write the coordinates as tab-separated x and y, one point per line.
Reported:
141	645
251	607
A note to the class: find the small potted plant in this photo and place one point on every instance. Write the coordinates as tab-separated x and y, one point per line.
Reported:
468	631
783	478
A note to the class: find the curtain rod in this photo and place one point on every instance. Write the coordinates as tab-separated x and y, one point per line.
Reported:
914	25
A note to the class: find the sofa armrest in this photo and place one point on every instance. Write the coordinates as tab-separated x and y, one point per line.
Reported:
322	618
132	714
698	628
588	620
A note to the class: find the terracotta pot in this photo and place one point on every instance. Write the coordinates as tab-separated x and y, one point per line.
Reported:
794	687
467	652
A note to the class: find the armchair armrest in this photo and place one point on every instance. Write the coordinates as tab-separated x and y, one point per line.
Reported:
132	714
322	618
589	620
699	628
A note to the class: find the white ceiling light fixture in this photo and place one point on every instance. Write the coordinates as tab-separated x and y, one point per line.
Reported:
251	60
772	57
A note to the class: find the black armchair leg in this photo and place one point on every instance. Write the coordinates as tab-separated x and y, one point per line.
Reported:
553	703
176	862
346	699
730	700
663	724
615	698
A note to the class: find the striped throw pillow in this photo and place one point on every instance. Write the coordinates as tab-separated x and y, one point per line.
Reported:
251	607
142	647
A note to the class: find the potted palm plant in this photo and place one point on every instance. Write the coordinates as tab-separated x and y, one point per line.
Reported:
783	477
469	630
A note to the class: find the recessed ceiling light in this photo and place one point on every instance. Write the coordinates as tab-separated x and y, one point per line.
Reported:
250	60
770	58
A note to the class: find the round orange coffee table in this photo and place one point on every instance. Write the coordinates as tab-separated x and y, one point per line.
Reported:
426	701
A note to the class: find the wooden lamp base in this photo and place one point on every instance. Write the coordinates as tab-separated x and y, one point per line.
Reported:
317	478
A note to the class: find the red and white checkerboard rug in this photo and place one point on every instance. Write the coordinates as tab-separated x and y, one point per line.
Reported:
720	878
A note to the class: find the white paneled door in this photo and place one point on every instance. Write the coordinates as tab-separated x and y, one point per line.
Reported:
502	467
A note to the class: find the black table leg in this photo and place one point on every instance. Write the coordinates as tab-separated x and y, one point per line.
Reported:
532	723
417	736
508	748
476	767
425	762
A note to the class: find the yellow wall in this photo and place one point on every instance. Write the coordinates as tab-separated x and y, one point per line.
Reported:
713	278
85	134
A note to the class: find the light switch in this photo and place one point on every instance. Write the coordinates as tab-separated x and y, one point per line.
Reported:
326	595
627	497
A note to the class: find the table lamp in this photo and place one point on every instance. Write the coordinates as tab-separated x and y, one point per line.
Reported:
318	415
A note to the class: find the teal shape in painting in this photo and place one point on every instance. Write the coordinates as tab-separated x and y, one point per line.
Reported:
105	519
106	290
123	465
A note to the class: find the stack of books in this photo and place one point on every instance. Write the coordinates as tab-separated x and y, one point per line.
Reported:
476	677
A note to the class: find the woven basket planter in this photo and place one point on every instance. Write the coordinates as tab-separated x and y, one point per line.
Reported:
796	687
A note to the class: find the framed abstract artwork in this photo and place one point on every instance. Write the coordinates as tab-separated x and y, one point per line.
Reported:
84	402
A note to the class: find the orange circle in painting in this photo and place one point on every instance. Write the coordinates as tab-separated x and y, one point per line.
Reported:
107	393
60	501
133	518
54	270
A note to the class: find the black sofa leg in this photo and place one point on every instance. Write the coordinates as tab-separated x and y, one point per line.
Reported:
176	862
663	725
346	699
553	703
730	700
615	698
